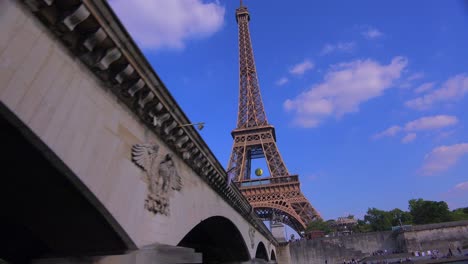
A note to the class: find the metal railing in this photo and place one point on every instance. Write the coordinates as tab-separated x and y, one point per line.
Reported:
271	180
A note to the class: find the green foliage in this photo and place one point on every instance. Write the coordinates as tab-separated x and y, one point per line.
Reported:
427	212
398	215
378	220
421	212
320	225
460	214
362	227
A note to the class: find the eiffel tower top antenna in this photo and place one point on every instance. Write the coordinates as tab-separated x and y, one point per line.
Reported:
240	2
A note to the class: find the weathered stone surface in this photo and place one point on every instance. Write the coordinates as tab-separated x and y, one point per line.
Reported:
440	236
417	238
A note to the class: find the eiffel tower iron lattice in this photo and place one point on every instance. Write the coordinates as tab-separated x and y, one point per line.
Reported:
279	194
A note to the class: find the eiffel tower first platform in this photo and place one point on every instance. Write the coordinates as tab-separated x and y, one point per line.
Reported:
278	195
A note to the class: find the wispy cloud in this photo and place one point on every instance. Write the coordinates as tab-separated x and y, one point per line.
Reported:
457	195
421	124
416	76
282	81
344	88
341	46
462	186
408	81
301	68
442	158
389	132
451	90
431	122
371	32
160	24
408	138
424	87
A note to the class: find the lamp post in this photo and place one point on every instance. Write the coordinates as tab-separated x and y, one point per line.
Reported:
200	125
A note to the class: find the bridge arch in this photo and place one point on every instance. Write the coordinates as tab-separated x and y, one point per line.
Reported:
272	255
218	239
261	252
49	211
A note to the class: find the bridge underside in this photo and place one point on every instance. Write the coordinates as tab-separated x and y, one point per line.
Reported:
44	213
218	239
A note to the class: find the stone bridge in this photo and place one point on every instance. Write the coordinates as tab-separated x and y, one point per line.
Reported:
97	166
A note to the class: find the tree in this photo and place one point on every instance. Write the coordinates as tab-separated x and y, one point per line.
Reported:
460	214
428	212
319	224
362	226
399	215
378	220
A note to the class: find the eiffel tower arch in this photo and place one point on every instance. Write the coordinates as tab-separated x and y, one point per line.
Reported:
279	194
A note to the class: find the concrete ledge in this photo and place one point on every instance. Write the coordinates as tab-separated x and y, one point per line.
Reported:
438	225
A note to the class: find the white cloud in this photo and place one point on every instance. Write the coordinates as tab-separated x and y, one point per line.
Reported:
453	89
442	158
408	82
415	76
462	186
421	124
405	84
457	196
371	33
160	24
424	87
344	88
408	138
389	132
328	48
282	81
431	122
341	46
301	68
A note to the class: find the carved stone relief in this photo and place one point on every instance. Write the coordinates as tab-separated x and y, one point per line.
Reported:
162	176
252	236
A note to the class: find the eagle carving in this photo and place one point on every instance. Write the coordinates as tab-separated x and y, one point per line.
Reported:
161	175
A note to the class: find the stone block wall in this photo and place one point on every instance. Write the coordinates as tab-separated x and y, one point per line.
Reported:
440	236
434	236
335	249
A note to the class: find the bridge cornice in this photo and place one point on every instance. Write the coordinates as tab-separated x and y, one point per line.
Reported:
93	33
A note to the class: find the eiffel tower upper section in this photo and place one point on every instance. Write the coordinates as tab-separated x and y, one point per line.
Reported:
251	112
278	194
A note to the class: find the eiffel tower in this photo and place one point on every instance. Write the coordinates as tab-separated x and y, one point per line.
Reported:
278	195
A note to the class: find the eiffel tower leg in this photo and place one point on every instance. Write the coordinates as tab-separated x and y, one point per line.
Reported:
237	162
274	160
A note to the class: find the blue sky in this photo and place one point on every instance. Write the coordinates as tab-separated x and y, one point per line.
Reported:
368	98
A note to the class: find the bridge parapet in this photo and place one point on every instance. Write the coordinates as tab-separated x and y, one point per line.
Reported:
92	32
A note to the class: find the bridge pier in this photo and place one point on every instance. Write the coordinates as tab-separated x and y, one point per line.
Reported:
282	251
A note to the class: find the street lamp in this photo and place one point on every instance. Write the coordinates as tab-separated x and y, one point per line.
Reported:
200	125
